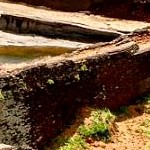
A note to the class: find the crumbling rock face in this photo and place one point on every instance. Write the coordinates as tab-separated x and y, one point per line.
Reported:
37	101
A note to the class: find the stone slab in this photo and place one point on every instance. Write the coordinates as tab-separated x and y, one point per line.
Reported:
33	112
93	21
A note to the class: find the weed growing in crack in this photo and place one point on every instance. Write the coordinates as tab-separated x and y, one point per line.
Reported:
83	68
95	130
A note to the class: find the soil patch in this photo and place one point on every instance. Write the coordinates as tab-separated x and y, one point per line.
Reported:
130	130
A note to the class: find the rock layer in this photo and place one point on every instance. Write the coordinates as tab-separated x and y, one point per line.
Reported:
55	29
38	100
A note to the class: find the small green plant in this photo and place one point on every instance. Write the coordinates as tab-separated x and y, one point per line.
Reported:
95	130
77	77
106	115
50	81
99	127
83	68
1	95
74	143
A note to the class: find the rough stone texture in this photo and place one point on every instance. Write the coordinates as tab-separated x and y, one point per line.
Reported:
37	101
55	29
77	18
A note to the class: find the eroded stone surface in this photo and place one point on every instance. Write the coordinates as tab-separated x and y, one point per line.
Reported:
94	21
39	99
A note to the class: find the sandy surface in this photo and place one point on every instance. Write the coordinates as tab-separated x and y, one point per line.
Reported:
128	135
129	131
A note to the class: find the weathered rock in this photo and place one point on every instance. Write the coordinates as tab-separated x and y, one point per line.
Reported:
59	29
39	99
16	48
91	21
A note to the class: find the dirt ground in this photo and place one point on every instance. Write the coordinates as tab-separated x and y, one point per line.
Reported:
130	131
128	134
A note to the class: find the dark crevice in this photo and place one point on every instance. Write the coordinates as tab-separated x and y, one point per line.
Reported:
123	9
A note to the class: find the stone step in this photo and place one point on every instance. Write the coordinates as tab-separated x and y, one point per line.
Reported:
16	48
39	98
94	21
55	28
